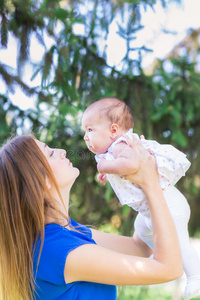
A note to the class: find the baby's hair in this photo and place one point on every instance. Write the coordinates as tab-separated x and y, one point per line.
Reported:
115	110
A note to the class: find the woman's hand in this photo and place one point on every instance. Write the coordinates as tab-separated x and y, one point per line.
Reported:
147	172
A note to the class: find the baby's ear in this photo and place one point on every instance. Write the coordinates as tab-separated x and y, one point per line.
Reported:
114	129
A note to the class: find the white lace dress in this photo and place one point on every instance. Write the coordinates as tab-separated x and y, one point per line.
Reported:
172	165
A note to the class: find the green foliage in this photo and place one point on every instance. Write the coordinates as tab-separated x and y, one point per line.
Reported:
176	120
73	73
179	103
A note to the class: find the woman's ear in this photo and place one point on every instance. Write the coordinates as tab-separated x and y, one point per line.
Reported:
114	129
48	183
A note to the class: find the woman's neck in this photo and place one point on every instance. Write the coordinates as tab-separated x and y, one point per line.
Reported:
58	214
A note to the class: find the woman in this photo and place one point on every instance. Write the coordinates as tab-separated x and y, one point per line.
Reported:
45	255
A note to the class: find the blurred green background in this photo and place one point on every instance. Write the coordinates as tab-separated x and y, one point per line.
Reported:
72	71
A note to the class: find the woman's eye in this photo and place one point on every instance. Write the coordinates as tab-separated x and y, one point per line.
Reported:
51	154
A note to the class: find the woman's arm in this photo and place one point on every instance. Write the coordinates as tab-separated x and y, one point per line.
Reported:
123	244
98	264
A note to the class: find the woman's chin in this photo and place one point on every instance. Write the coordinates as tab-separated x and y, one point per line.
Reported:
77	173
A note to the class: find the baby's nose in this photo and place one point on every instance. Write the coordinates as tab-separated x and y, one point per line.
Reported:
85	137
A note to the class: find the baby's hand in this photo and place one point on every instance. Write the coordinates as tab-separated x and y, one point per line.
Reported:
100	166
102	178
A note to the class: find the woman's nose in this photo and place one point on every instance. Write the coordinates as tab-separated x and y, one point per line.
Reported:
63	153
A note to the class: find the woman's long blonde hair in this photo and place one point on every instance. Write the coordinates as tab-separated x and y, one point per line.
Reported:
23	198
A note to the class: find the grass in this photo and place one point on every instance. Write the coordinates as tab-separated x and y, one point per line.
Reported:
148	293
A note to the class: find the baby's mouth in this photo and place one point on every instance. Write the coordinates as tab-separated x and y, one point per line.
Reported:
91	149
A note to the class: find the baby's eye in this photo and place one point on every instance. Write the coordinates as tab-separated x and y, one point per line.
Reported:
89	129
52	152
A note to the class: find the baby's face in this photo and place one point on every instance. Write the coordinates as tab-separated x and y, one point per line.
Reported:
97	136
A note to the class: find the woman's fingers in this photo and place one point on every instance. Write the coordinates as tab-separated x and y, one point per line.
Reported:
147	163
133	143
137	146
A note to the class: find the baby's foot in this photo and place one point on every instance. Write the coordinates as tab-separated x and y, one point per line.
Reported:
192	290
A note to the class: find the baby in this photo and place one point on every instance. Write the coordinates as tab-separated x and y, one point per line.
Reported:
107	124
